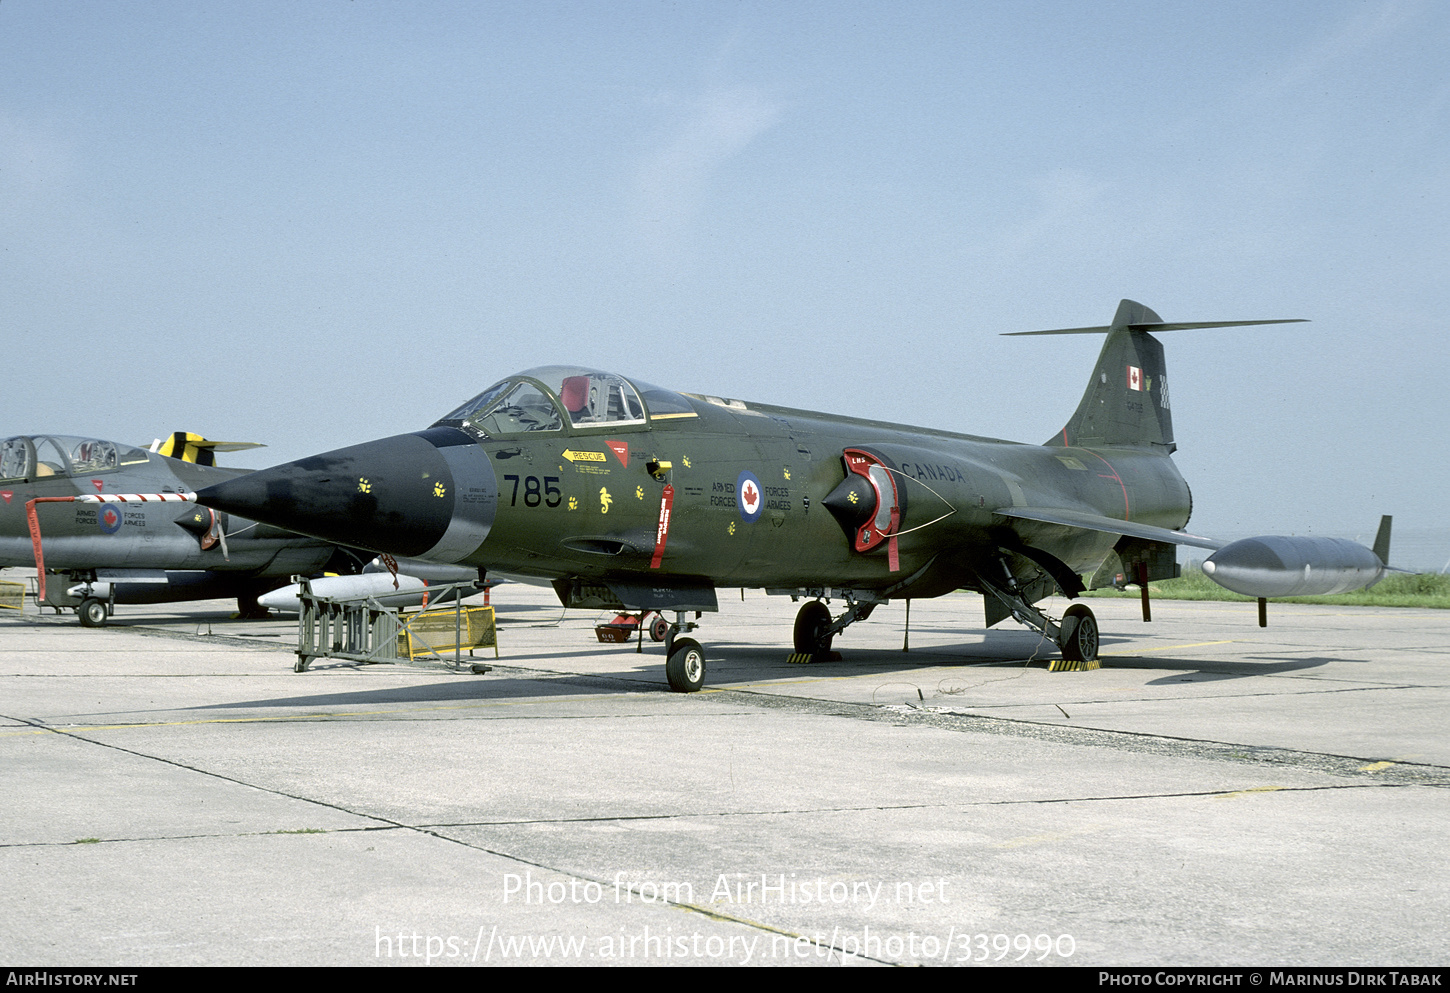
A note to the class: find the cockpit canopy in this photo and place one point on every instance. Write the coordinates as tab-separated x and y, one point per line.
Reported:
544	399
42	456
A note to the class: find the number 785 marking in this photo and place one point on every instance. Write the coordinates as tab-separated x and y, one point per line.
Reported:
548	493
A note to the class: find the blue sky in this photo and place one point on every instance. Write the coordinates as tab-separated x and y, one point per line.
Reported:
312	224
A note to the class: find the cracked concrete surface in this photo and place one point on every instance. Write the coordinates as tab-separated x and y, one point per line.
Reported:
1217	794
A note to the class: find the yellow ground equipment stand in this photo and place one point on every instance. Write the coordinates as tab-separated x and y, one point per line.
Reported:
12	595
433	632
362	629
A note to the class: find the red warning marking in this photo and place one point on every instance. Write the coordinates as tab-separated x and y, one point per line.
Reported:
621	449
98	484
7	494
34	524
662	532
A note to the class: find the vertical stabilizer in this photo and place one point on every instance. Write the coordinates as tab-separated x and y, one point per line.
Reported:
1126	403
1382	539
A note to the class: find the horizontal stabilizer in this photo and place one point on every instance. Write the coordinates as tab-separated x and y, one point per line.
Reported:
1109	525
1156	326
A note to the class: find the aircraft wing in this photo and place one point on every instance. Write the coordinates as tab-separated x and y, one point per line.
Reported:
1111	525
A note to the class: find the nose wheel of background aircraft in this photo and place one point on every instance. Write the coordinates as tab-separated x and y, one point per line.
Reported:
92	612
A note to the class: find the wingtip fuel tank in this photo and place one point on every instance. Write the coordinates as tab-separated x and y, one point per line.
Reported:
1283	565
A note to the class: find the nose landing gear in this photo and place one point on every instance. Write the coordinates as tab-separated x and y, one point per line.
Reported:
684	658
685	667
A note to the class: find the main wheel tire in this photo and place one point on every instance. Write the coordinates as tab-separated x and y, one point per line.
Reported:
92	613
1079	634
659	629
248	609
811	625
685	668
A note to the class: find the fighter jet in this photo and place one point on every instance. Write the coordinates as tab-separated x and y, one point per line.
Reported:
117	522
628	496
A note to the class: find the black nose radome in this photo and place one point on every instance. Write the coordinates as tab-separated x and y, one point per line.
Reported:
428	494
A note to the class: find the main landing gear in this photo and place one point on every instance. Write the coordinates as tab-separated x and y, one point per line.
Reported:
248	609
815	629
1076	636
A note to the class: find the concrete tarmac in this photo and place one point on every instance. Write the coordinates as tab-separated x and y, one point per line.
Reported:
172	793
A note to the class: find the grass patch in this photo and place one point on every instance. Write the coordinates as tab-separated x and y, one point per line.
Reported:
1398	589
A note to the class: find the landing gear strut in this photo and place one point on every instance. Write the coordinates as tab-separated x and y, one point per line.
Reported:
1076	637
815	630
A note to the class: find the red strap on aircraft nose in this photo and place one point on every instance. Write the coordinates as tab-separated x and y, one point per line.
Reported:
662	532
35	538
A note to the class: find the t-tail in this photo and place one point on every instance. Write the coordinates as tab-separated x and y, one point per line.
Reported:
1126	404
190	447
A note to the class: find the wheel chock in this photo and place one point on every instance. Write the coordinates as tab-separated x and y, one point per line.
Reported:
802	658
1063	665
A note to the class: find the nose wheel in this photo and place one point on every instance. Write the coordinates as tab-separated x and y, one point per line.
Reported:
93	612
684	658
685	667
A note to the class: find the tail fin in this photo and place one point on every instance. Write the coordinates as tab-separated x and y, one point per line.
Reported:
194	448
1382	539
1126	403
